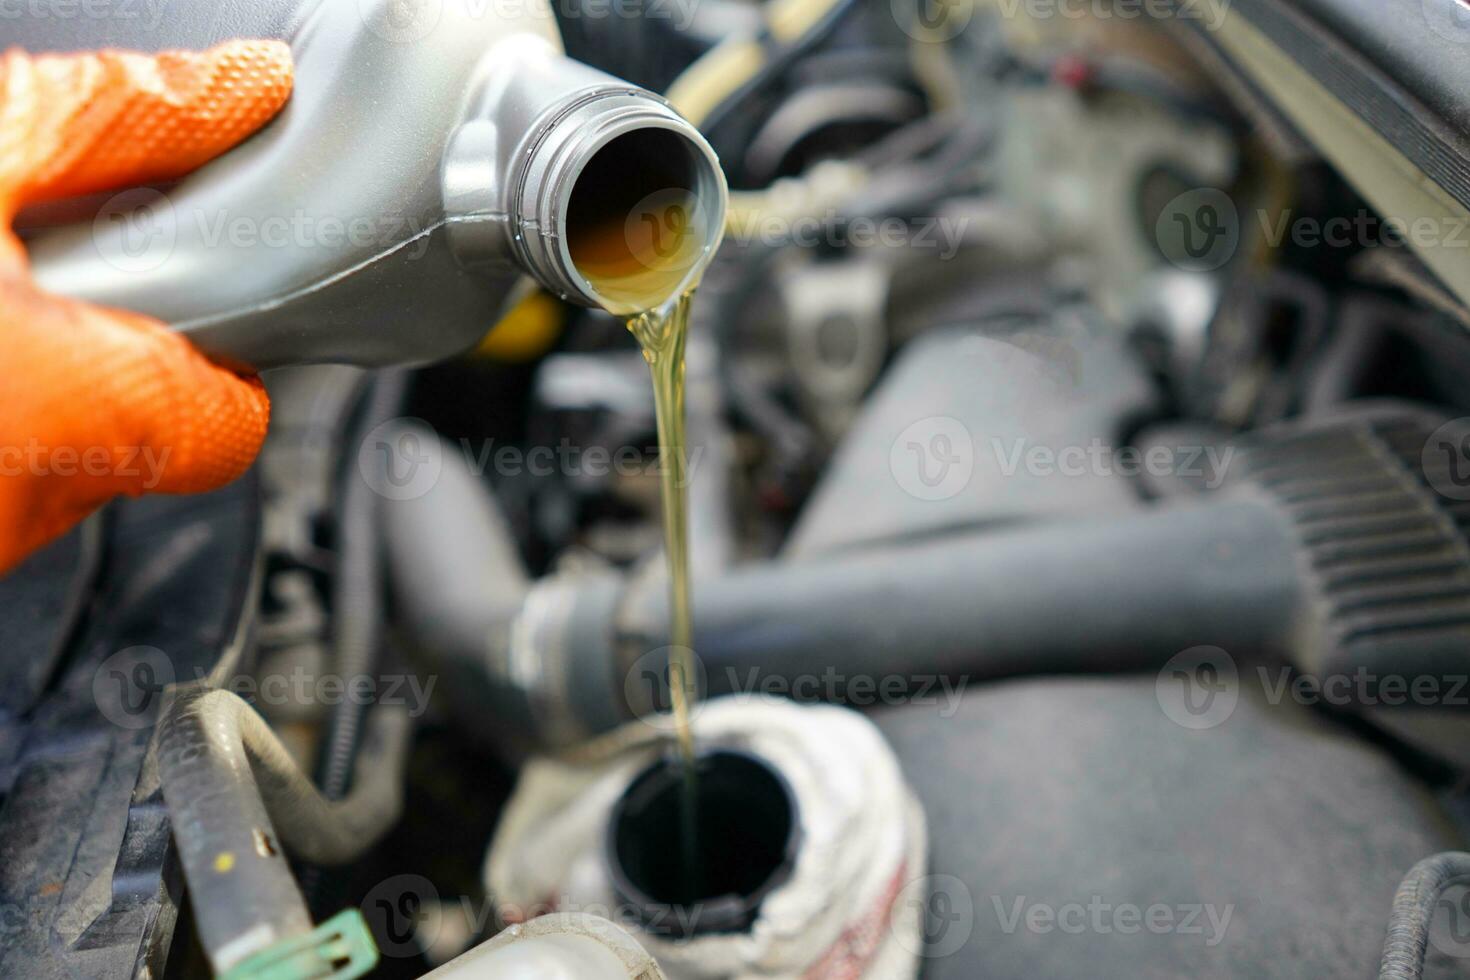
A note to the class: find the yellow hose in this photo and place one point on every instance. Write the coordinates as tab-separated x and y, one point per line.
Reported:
723	69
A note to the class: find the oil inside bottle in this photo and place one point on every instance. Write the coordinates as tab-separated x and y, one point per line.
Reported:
642	257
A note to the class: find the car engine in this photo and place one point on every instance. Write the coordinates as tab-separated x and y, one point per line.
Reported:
1078	476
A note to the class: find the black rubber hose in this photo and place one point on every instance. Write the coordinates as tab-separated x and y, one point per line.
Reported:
357	598
454	562
457	576
357	607
1121	594
1413	910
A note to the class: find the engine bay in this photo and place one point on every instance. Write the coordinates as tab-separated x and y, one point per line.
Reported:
1077	508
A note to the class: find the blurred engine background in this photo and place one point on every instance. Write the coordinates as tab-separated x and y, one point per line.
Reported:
1015	379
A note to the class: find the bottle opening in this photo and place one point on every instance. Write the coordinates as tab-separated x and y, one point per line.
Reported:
636	222
744	844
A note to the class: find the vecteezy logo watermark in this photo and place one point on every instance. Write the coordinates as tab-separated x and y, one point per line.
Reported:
1450	19
1364	229
1445	459
1207	464
1364	688
650	682
790	222
398	910
946	913
663	231
1209	15
130	687
833	686
568	459
302	229
37	459
1449	929
941	20
14	919
676	919
148	12
1103	918
408	21
932	20
401	21
408	915
1199	230
138	230
648	687
944	234
933	459
680	13
1198	688
135	231
302	688
401	459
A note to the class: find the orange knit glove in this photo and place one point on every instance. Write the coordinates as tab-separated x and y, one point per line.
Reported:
97	402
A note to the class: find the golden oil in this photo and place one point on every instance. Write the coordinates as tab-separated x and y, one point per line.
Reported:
644	264
639	261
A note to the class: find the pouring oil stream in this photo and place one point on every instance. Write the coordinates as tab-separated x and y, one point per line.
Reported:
646	265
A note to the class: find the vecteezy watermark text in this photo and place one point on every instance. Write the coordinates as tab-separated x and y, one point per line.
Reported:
403	458
1363	229
1100	917
937	21
1205	463
35	458
832	686
934	459
411	21
1200	688
137	230
300	687
1209	15
132	687
942	234
147	12
410	914
648	689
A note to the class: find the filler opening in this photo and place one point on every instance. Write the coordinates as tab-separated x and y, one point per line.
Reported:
635	223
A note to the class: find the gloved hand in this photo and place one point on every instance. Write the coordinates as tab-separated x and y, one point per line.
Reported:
97	402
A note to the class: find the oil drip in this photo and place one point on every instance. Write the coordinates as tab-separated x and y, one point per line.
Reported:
645	262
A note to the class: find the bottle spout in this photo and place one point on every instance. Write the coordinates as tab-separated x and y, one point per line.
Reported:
609	197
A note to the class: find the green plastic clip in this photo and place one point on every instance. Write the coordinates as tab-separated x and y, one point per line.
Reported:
340	948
